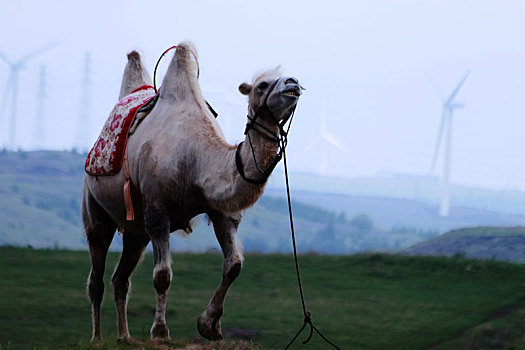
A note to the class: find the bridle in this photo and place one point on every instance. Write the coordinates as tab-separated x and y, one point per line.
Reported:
281	138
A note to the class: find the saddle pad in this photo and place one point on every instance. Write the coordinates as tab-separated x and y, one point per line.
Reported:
105	158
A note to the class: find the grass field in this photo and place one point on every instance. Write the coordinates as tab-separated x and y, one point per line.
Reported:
359	302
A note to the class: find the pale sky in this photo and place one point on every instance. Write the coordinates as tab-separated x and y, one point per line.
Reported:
382	67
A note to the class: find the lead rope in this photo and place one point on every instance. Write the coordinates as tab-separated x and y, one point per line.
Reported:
282	140
307	315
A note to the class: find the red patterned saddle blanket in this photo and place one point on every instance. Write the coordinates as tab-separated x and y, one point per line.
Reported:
105	158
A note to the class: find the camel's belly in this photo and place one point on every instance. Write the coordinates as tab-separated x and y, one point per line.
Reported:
108	192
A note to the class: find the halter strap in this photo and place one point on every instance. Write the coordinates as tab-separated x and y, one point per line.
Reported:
281	138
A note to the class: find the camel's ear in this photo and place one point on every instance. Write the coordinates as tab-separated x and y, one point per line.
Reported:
245	88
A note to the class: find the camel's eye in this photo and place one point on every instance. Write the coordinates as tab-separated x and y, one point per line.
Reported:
262	85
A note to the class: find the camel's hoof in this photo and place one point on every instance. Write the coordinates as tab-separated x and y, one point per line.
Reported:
209	328
160	331
129	340
96	340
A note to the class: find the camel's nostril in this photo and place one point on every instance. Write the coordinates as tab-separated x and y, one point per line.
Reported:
291	81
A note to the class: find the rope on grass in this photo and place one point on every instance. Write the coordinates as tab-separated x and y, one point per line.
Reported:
307	315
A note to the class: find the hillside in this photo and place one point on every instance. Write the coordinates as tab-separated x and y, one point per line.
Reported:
498	243
423	189
398	213
40	207
40	196
40	199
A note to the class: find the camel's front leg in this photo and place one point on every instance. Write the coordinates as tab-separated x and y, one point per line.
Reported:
157	227
225	227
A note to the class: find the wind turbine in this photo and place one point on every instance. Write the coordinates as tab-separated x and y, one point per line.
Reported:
324	140
85	104
11	89
40	122
446	128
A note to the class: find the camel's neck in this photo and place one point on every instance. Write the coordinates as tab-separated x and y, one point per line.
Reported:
256	154
258	151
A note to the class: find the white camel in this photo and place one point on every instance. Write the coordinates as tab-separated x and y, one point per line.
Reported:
181	166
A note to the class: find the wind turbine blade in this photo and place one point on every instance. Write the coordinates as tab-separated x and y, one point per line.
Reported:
3	57
324	112
331	139
438	142
312	145
456	90
37	52
334	142
439	93
457	105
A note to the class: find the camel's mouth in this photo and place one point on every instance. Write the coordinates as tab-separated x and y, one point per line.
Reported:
295	93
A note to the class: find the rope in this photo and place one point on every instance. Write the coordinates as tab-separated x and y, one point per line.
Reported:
282	140
156	65
307	315
155	74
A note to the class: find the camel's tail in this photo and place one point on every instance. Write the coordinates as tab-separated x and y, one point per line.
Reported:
135	75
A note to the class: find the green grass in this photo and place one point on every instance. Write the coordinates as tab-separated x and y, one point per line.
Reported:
359	302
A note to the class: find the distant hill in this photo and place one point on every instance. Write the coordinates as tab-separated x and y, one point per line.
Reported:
499	243
40	199
40	206
407	214
422	189
40	196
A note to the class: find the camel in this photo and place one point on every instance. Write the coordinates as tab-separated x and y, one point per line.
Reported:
181	166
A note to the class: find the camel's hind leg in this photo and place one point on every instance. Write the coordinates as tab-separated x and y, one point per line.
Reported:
133	248
135	75
225	227
157	228
99	229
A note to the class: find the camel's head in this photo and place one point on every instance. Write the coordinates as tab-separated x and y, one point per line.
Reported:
279	93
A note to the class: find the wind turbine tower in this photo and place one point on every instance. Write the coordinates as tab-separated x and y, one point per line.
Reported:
40	122
445	130
325	140
82	143
11	89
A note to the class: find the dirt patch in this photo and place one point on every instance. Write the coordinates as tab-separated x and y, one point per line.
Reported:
240	333
194	344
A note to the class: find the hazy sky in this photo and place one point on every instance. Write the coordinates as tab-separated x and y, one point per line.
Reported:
383	68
